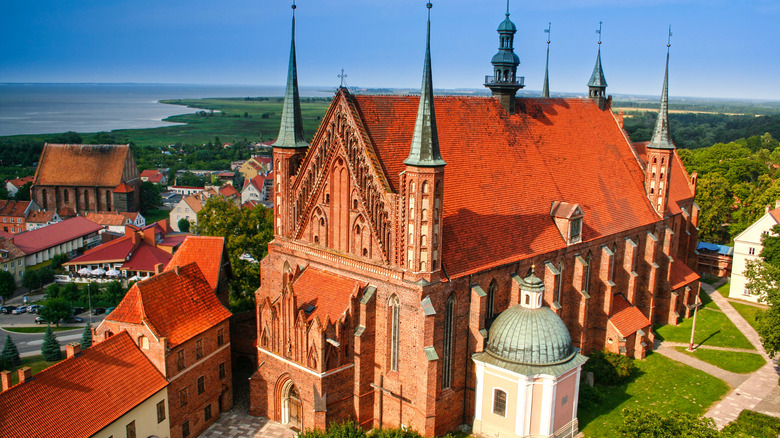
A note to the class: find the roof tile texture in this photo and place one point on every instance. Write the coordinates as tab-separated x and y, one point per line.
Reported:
330	293
81	165
54	234
81	395
629	319
206	251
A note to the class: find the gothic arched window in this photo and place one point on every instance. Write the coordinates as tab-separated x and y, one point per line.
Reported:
449	315
491	299
395	331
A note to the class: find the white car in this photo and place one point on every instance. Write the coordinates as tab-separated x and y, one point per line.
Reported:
19	310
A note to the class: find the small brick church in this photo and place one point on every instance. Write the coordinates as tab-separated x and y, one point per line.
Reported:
407	226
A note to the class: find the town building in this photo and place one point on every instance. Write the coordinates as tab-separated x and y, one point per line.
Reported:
155	176
87	178
69	237
748	247
715	260
255	166
399	232
178	323
116	222
108	390
13	185
39	219
188	209
258	189
211	257
14	214
186	191
12	259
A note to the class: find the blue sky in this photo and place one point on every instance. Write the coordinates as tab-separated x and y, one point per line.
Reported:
720	48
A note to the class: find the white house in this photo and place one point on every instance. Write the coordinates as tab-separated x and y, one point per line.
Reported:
747	246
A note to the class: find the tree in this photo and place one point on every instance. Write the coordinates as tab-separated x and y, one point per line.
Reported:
56	309
648	423
58	260
4	192
51	348
763	279
713	195
189	179
113	293
10	353
23	194
7	284
70	292
184	225
86	337
30	279
54	291
150	196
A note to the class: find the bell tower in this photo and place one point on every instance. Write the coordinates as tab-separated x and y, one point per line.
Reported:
504	83
290	146
423	182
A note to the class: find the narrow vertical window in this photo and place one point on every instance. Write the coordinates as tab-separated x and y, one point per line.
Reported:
222	372
395	328
160	411
586	283
185	429
491	299
220	337
183	397
449	315
559	284
198	348
130	429
180	360
499	402
201	384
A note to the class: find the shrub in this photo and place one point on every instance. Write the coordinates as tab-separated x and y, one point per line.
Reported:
394	433
10	353
51	348
590	395
609	368
754	424
647	423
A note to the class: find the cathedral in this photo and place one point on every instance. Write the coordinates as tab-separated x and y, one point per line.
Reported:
427	247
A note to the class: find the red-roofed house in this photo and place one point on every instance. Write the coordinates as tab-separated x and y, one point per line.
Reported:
115	222
14	214
40	218
257	189
212	259
255	166
109	389
155	176
183	329
87	178
12	259
67	237
399	229
13	185
188	209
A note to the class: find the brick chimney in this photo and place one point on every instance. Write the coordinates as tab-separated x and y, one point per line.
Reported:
5	378
72	349
620	118
149	236
25	374
135	236
176	269
158	268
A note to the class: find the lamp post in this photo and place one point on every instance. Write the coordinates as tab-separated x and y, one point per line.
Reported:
693	327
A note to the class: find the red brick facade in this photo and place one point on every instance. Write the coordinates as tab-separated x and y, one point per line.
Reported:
381	235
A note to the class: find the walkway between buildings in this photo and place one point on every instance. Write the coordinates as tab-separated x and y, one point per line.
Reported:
749	389
237	423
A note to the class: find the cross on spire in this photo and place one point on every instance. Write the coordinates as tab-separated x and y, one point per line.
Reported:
599	32
342	76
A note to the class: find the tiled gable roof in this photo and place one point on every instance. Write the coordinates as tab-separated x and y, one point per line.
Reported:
176	306
19	182
228	190
81	395
6	246
13	208
107	218
40	217
113	251
775	214
81	165
145	258
194	203
629	319
681	275
123	188
206	251
329	293
564	150
42	238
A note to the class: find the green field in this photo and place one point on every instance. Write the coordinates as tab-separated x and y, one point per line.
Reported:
39	329
748	312
661	384
36	363
736	362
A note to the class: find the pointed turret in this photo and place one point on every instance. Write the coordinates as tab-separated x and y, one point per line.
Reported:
504	83
291	129
660	150
597	85
423	182
546	86
425	141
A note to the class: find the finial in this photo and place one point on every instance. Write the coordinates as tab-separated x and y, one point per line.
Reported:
599	32
429	5
547	31
342	76
293	8
669	39
507	8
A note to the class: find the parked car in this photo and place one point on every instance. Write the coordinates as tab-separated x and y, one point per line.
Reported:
77	310
98	310
71	320
19	310
109	310
7	309
40	320
34	308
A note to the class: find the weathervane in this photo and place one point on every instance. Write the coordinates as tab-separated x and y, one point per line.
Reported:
342	76
599	32
507	8
293	8
669	39
547	31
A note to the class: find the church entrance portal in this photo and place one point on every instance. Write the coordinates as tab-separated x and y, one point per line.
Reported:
292	409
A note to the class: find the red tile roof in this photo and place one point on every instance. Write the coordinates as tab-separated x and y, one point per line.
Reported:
145	258
66	212
206	251
110	252
107	218
567	149
6	246
40	217
81	395
177	307
46	237
81	165
628	320
19	182
123	188
228	190
328	292
5	235
775	214
194	203
130	215
150	173
681	275
13	208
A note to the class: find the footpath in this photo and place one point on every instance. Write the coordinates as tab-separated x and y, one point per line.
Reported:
758	391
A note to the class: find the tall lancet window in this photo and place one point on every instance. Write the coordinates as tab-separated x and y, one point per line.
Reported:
395	331
491	299
449	315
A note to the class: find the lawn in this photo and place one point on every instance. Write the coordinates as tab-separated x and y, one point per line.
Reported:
661	384
713	328
741	363
41	329
35	362
152	216
748	312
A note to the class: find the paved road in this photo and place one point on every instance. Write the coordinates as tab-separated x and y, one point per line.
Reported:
29	344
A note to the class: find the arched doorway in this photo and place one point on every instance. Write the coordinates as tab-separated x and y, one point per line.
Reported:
292	409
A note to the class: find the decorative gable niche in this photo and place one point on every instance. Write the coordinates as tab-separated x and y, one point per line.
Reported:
568	219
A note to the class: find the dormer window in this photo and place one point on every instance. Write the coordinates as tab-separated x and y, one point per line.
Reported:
568	219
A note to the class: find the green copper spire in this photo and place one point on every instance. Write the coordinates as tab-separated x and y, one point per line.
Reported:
597	79
291	128
661	138
546	86
425	142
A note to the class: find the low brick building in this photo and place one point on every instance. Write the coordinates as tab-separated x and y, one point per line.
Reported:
178	323
87	178
14	214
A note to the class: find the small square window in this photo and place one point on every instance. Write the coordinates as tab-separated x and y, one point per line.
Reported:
752	251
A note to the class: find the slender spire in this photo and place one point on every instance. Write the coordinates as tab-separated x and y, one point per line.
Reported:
425	141
661	138
291	128
546	87
597	79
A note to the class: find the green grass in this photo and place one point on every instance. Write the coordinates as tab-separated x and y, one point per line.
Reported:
152	216
736	362
753	424
748	312
39	329
724	289
35	362
661	384
713	328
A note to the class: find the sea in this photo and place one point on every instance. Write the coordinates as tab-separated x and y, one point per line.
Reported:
54	108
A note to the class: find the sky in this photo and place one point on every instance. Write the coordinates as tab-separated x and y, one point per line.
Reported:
720	48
